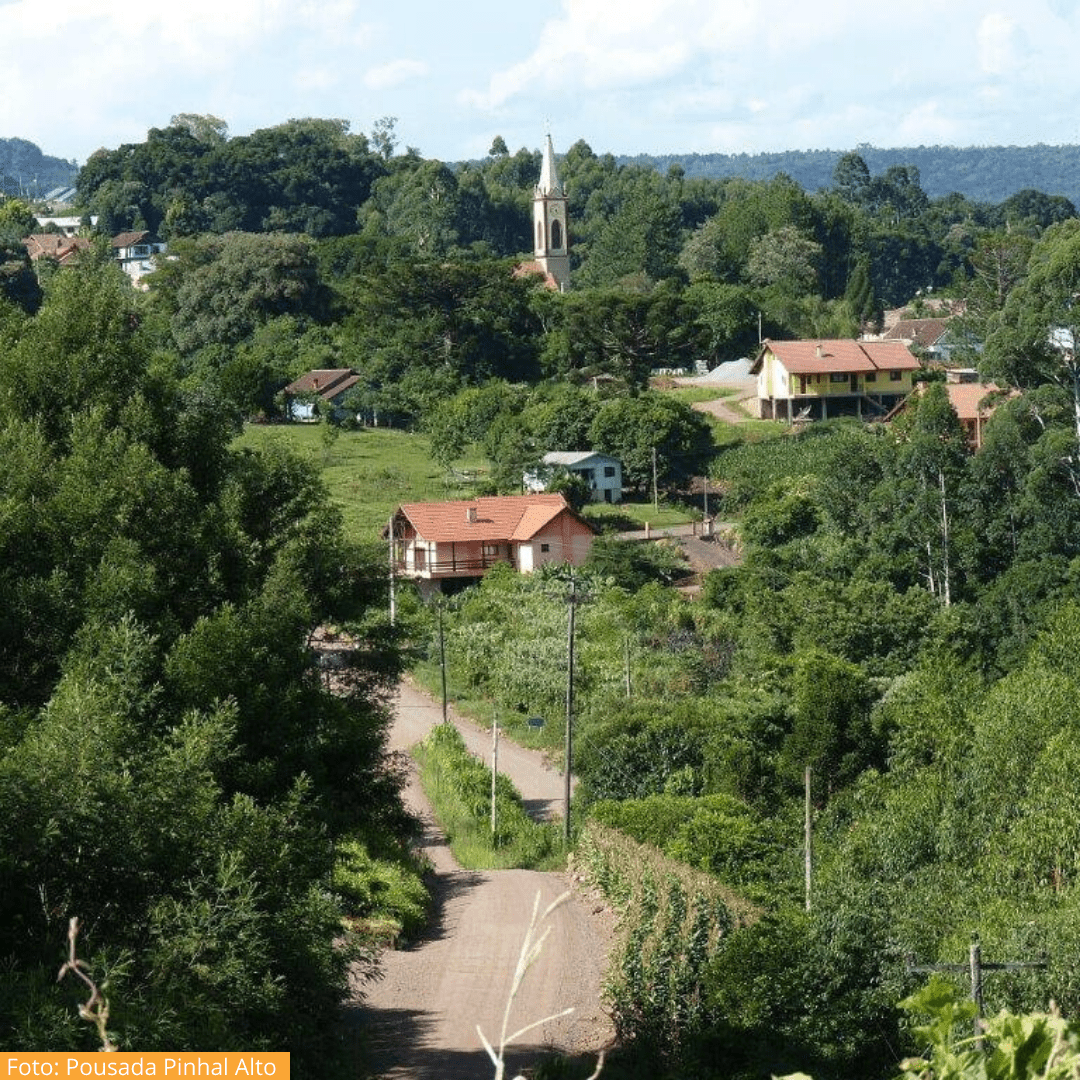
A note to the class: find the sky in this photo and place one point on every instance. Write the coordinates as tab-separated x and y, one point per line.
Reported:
627	76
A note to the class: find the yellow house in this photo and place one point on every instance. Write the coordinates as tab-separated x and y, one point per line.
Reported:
816	380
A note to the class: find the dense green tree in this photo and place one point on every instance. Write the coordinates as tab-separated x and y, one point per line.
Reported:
652	432
860	296
173	771
1032	341
784	257
221	288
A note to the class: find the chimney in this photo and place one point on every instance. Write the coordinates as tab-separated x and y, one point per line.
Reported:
820	351
470	515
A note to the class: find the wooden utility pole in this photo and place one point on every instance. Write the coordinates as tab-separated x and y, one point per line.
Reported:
568	749
974	969
494	773
655	496
442	661
393	598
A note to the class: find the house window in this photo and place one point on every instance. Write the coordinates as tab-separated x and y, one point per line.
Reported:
871	376
140	251
895	376
609	471
491	550
838	376
545	548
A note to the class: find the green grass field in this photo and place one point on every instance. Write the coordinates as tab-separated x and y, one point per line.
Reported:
369	472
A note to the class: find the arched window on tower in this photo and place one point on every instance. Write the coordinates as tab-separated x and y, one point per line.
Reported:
556	235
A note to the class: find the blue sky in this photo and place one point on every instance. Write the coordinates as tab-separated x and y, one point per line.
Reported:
627	76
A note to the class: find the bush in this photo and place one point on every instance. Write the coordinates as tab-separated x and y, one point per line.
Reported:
459	787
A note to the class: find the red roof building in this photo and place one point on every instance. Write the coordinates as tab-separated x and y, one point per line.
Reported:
818	379
330	384
463	538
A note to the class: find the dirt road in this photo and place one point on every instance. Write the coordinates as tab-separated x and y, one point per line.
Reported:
424	1011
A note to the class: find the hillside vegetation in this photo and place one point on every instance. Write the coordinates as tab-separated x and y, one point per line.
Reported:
904	623
988	174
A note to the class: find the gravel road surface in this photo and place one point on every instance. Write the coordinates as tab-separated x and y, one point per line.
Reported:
424	1011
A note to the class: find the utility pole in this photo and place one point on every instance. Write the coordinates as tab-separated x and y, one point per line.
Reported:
655	497
572	600
974	969
442	660
494	773
393	598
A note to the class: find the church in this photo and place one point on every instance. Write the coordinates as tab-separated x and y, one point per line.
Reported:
551	240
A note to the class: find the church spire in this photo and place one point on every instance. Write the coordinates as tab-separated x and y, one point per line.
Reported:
549	177
551	240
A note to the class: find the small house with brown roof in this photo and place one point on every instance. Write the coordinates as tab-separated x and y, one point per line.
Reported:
935	340
59	247
460	540
973	402
820	379
328	384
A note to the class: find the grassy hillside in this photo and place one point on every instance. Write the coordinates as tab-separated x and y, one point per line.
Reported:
369	472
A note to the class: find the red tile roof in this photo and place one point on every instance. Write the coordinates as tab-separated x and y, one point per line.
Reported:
824	356
970	399
54	246
326	382
921	332
498	517
535	267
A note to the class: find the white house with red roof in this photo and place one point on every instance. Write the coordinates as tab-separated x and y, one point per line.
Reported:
819	379
460	540
329	384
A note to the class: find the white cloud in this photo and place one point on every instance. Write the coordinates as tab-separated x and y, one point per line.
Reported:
599	43
998	39
397	72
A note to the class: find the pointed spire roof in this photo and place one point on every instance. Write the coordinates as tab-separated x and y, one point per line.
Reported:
549	177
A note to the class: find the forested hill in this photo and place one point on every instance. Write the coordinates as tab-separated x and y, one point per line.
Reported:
982	173
25	170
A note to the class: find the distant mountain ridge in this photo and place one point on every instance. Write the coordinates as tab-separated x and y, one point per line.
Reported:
989	174
26	171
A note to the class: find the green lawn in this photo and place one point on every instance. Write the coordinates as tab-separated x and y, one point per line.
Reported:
368	472
690	394
625	516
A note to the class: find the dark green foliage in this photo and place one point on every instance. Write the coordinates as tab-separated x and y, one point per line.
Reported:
631	564
174	772
652	431
715	833
461	793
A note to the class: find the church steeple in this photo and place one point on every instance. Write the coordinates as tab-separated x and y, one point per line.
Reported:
550	239
549	176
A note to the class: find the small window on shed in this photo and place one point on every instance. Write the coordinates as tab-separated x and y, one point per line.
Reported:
544	548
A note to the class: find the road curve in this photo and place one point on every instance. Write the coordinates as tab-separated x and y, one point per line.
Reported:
423	1012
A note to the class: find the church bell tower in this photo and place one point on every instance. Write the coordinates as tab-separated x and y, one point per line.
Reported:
550	239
